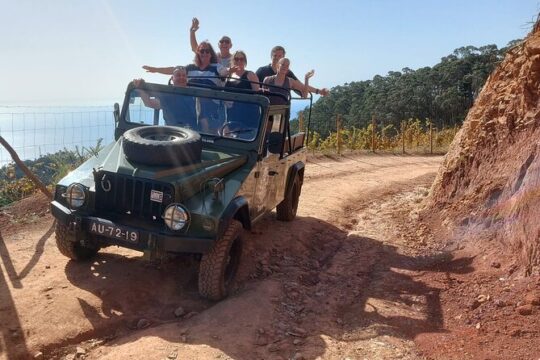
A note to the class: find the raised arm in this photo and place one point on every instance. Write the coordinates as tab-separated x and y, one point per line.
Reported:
192	38
148	102
160	70
322	92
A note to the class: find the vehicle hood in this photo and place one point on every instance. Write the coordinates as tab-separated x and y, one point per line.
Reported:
186	179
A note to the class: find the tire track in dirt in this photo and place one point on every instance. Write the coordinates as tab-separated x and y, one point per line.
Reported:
295	267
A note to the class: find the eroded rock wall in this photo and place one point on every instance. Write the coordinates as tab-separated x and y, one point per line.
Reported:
490	179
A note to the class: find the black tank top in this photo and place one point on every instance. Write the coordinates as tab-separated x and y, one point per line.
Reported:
241	83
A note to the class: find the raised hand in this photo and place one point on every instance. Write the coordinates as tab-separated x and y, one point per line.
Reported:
310	74
149	69
194	24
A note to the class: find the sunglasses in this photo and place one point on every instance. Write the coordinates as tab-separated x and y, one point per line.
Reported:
239	59
204	51
224	41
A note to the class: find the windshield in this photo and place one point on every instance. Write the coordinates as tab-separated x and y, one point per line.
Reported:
226	118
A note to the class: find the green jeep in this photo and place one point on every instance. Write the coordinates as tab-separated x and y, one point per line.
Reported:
190	170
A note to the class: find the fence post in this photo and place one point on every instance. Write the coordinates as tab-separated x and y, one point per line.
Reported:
403	137
338	134
301	122
373	123
430	138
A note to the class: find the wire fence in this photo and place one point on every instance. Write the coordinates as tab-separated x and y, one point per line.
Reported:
37	131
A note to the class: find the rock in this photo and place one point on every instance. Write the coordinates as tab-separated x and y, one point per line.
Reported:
38	355
533	299
298	356
500	303
261	340
173	355
179	311
495	264
300	331
80	351
70	357
143	323
474	304
525	309
297	342
190	315
482	298
339	321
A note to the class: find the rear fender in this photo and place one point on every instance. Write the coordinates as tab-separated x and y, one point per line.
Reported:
295	170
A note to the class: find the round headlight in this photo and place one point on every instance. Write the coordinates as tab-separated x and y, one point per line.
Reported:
75	195
175	217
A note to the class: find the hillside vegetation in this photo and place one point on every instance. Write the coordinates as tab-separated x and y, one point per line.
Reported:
443	93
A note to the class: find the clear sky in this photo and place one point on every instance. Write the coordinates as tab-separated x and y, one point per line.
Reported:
81	52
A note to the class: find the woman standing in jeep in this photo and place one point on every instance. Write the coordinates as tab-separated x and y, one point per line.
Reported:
204	71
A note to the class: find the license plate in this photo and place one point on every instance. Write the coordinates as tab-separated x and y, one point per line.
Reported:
113	231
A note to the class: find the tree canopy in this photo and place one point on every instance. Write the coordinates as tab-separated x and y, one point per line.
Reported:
442	93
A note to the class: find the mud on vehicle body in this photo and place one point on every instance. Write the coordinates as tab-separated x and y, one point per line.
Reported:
187	175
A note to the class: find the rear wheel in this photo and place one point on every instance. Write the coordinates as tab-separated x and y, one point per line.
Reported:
286	210
68	246
218	267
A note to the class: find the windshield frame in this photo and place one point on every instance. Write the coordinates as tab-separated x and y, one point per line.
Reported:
211	93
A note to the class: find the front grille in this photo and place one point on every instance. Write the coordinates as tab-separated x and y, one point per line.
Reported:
128	195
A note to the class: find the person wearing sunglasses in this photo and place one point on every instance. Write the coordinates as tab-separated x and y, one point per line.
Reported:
240	77
204	71
225	44
243	115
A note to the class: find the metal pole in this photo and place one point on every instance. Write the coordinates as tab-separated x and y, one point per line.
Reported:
338	134
373	123
403	137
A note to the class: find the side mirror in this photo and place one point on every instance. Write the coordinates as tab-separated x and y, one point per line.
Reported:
116	113
275	143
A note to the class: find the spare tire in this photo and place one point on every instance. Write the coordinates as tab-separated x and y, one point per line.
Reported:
162	145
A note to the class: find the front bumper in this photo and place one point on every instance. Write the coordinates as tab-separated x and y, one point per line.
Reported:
149	241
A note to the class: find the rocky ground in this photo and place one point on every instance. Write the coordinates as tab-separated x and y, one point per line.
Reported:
362	273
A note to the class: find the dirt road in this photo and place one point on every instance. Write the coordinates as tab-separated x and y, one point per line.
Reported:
336	283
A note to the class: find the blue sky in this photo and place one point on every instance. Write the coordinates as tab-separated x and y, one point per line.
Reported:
85	52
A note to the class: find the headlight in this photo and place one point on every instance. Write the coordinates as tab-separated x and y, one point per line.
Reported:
175	217
75	195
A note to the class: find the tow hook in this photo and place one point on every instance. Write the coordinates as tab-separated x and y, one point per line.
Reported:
75	225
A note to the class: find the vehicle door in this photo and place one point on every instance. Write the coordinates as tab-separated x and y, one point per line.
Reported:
270	168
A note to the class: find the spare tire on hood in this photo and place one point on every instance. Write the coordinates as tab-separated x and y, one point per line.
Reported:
162	145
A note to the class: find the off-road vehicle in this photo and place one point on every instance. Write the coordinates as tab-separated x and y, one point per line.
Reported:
190	170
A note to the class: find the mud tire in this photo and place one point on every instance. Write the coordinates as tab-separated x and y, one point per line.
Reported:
69	247
286	210
218	267
162	145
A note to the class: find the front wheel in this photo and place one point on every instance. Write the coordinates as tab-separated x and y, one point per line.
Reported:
286	210
218	267
71	248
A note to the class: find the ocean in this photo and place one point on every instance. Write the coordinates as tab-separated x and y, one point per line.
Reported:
34	131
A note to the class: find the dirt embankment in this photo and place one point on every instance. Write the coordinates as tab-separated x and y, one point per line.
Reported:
488	189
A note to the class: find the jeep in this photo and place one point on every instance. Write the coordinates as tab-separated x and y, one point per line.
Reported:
190	170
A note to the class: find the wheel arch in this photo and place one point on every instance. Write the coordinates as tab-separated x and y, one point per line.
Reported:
237	209
296	170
